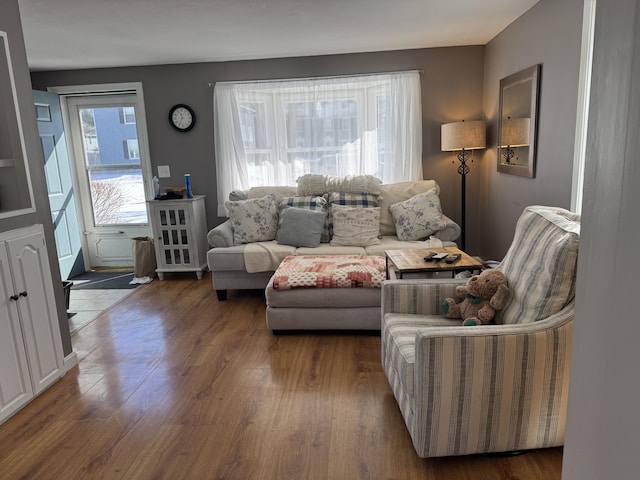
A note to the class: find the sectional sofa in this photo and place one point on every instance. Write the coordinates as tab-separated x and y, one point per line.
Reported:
248	247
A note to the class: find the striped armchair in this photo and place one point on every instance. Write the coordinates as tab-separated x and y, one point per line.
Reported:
488	388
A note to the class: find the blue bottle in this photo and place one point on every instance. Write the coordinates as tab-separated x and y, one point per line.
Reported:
187	181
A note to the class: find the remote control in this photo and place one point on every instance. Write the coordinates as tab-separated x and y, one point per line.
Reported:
429	257
453	257
440	256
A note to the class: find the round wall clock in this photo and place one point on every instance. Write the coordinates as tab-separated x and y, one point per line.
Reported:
182	117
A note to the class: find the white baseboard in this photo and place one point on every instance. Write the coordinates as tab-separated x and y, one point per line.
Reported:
70	361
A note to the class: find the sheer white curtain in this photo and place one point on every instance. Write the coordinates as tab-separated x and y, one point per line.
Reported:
272	132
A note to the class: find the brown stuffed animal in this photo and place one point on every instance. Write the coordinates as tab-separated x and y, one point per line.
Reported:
483	295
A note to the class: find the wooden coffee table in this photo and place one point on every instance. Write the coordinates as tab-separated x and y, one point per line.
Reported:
412	260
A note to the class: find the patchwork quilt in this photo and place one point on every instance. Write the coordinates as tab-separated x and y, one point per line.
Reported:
330	271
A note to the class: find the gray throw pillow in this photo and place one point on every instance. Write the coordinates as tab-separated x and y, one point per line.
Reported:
300	227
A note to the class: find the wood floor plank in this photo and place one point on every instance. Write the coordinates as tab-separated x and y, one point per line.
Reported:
173	384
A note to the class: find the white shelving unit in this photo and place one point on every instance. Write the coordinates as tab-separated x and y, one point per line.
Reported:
180	235
16	193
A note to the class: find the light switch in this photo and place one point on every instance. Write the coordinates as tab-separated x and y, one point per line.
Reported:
164	171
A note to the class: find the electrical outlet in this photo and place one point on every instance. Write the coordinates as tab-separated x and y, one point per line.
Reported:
164	171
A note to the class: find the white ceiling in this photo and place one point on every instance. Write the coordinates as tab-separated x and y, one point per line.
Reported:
69	34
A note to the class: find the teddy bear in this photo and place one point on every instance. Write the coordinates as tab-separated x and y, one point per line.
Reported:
483	294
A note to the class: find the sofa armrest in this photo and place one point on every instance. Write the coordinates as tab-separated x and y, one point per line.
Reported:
515	376
422	297
221	236
450	232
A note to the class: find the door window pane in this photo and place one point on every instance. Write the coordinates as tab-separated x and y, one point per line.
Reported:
117	196
114	173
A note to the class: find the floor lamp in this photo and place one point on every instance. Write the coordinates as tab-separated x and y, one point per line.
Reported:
463	137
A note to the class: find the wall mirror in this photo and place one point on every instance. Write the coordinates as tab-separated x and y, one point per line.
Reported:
518	122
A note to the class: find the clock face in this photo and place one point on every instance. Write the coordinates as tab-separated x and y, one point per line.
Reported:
182	117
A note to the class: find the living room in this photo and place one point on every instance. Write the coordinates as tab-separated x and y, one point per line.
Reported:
457	83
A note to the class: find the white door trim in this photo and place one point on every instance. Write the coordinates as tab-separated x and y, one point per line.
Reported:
68	91
582	117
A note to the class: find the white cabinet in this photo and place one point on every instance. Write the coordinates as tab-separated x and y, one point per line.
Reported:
16	195
180	232
31	356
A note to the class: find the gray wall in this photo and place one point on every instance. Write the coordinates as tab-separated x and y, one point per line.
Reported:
451	91
549	34
10	23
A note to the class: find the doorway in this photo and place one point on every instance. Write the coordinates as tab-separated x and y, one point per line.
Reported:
108	144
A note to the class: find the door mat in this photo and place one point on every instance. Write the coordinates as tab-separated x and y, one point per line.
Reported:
106	280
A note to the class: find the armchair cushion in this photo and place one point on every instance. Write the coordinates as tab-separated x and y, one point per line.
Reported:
540	264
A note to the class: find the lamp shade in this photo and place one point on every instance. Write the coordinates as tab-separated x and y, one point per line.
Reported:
467	135
515	132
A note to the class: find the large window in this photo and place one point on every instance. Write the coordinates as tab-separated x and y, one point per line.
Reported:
271	133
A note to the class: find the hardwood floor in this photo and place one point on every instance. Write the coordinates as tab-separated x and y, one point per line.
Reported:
173	384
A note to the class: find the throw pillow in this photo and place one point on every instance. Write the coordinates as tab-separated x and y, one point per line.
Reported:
279	191
540	264
310	202
399	192
361	200
300	227
253	220
418	217
312	184
355	226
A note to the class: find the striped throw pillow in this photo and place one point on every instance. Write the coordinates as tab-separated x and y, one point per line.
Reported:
540	264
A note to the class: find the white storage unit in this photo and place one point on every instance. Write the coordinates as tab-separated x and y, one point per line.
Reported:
180	235
31	356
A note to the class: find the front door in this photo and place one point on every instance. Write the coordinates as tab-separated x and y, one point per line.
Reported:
59	183
113	173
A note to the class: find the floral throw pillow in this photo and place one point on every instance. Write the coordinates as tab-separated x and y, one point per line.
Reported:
253	220
418	217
